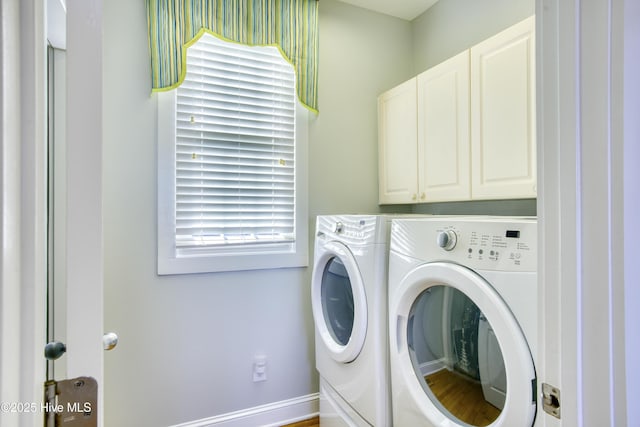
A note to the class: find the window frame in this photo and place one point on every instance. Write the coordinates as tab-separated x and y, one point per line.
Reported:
174	260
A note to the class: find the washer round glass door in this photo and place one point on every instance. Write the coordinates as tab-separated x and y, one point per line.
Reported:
339	302
465	359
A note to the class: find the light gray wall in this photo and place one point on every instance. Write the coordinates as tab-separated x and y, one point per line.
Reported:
451	26
187	342
362	54
526	207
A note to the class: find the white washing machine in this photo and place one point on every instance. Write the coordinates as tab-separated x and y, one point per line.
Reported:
463	321
349	300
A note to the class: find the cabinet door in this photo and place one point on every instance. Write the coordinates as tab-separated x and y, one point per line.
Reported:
397	164
443	131
503	115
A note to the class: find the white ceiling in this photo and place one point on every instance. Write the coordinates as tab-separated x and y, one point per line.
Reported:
405	9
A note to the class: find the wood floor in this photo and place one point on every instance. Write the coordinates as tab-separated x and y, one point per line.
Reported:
462	397
313	422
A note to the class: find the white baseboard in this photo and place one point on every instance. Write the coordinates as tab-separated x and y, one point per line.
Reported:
432	367
270	415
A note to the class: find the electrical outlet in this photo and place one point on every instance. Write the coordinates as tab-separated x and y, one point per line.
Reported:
259	368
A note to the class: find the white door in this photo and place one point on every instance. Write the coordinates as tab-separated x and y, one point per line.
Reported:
84	188
589	133
23	254
75	250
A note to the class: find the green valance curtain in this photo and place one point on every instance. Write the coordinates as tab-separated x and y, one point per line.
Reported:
291	25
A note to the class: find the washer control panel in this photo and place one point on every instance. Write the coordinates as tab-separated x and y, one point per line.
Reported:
489	243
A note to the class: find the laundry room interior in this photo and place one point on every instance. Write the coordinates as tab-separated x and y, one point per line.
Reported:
191	345
218	322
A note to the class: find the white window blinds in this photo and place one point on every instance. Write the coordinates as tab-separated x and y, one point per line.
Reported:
235	146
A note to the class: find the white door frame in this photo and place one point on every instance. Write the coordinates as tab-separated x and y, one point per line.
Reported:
628	110
22	208
587	207
85	273
84	241
23	186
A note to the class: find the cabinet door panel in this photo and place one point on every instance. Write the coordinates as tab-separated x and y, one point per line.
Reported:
443	131
503	114
397	144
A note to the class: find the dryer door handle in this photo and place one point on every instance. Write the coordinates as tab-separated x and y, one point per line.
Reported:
399	328
409	332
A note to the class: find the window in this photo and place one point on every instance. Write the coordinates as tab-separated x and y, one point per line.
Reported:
232	163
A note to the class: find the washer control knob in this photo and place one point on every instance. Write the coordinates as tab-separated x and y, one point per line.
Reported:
447	240
339	227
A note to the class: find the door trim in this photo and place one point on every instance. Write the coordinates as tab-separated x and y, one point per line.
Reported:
588	100
23	208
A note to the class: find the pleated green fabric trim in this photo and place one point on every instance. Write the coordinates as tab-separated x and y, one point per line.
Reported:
290	25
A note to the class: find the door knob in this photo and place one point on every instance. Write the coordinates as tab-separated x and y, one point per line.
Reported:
109	340
54	350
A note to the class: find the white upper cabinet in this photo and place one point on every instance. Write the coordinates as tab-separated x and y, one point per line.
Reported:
464	129
397	163
503	119
443	131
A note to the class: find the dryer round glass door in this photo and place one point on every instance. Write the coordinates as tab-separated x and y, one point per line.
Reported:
453	348
467	360
338	301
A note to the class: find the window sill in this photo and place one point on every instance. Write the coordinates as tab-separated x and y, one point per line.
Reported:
208	263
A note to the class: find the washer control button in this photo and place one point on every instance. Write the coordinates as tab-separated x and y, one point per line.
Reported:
447	240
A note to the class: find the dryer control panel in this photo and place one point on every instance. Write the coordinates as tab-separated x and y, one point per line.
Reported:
486	243
350	229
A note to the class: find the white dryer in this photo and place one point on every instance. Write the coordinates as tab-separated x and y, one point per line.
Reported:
349	300
463	321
